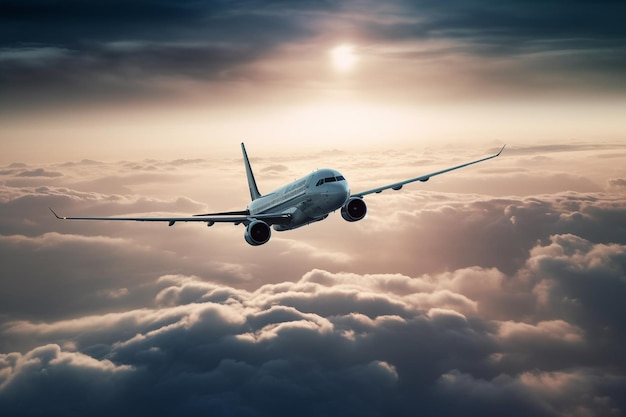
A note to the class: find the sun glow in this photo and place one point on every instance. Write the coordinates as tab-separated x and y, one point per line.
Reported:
343	57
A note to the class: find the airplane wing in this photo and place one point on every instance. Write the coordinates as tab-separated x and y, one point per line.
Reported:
279	218
398	185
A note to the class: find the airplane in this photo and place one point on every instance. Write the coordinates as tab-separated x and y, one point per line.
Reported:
306	200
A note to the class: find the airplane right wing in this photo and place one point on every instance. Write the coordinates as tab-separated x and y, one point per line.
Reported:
423	178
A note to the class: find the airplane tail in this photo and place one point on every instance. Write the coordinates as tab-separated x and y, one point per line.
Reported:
254	191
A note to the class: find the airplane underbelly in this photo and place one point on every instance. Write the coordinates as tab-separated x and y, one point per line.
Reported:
320	206
305	213
314	208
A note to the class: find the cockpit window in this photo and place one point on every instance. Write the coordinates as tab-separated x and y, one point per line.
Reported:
329	179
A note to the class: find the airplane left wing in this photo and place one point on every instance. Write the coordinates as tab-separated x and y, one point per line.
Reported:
279	218
423	178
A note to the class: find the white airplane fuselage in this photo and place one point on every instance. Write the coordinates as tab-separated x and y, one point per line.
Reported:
307	200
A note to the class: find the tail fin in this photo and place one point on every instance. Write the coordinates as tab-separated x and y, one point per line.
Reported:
254	191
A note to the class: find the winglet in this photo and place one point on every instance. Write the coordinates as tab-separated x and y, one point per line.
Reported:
503	146
254	191
56	215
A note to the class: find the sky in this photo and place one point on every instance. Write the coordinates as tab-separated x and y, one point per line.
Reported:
495	289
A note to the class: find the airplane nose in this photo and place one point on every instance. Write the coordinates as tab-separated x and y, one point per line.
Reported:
338	193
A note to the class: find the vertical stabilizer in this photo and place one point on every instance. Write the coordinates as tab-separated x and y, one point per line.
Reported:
254	191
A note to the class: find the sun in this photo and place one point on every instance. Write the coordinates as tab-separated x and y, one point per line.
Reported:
343	57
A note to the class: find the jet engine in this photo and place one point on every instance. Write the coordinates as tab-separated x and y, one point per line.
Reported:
354	210
257	233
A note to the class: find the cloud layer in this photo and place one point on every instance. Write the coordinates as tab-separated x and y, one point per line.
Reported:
150	49
439	301
344	343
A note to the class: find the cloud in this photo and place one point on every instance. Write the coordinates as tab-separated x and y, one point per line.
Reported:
558	330
276	170
250	378
538	393
63	380
152	42
369	340
40	172
617	182
512	28
419	230
439	301
158	50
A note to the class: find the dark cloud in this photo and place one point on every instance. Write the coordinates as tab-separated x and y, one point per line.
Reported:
554	44
517	26
123	70
113	50
120	21
353	348
495	232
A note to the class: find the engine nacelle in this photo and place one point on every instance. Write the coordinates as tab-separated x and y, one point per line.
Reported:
354	210
257	233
